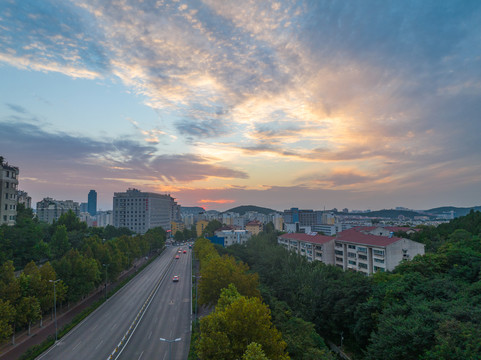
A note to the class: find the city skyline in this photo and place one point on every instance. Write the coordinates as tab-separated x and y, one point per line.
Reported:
309	104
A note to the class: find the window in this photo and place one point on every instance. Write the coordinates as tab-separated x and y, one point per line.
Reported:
351	262
351	255
362	257
377	268
6	184
378	252
6	197
6	207
8	173
351	246
362	249
362	266
338	258
381	261
338	252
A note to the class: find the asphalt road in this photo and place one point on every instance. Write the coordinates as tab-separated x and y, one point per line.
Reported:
99	334
167	317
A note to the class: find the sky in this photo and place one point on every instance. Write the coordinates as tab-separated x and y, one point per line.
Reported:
309	104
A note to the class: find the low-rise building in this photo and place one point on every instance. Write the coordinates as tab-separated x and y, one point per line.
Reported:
313	246
231	236
254	227
354	249
200	226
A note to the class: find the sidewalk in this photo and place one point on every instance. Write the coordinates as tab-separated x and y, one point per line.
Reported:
38	334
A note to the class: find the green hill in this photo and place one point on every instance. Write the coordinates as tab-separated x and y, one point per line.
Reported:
245	208
391	214
458	211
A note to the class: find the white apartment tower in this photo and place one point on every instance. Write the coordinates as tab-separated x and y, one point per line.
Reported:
8	193
140	211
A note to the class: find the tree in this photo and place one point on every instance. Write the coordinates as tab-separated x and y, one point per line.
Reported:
28	310
9	287
254	352
59	244
81	274
211	227
222	271
227	332
7	316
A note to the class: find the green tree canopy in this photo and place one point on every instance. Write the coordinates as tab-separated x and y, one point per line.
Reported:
227	332
219	272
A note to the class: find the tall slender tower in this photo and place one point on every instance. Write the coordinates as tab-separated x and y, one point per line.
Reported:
92	203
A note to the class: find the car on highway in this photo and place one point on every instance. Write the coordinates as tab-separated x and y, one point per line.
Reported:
177	256
185	251
175	278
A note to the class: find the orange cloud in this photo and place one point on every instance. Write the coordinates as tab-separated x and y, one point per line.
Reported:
220	201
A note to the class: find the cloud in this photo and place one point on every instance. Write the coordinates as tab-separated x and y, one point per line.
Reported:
46	154
17	108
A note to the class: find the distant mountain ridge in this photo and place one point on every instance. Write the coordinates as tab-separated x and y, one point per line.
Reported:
246	208
458	211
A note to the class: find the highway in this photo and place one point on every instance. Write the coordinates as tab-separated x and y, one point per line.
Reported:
165	318
123	316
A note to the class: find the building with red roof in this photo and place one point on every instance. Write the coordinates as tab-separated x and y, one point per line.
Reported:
355	249
313	246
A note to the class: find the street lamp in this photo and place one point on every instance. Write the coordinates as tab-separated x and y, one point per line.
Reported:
170	345
55	304
105	266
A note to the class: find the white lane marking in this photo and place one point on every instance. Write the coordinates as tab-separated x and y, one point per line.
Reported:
140	355
150	335
100	343
114	325
76	346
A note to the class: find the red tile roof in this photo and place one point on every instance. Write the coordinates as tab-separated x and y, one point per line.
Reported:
318	239
354	235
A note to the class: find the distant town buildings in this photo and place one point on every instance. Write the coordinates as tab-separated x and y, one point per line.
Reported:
140	211
8	192
49	209
92	203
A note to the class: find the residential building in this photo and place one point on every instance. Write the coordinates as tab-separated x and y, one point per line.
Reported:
140	211
176	226
50	209
254	227
8	193
105	218
313	246
358	250
354	249
200	226
92	202
230	236
23	198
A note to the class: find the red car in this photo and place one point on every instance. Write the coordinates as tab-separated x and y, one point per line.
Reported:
175	278
177	256
185	251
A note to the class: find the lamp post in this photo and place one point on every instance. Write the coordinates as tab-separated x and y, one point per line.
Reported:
105	266
55	304
170	345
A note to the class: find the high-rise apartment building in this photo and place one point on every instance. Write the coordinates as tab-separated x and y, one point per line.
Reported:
92	203
49	209
8	193
140	211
